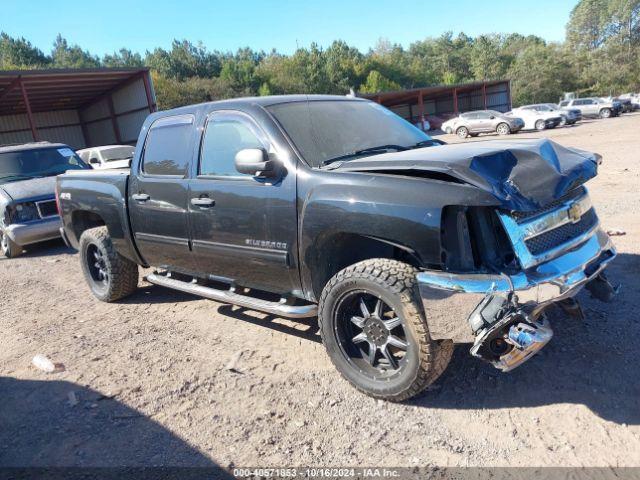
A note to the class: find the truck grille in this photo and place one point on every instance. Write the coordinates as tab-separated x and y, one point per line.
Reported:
521	217
559	226
47	208
556	237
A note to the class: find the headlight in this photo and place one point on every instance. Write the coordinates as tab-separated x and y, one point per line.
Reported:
25	212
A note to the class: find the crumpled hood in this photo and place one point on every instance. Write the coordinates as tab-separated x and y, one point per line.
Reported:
523	174
35	187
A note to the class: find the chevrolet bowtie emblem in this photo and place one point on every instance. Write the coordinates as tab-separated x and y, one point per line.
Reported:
575	213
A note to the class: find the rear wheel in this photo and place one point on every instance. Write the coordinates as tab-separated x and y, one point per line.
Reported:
8	247
462	132
375	333
605	113
109	275
503	129
540	125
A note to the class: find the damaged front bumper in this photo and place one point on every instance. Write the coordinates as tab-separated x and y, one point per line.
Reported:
489	309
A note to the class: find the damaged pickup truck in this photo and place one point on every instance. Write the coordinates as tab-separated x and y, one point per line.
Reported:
304	206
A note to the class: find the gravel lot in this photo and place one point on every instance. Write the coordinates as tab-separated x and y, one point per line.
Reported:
164	378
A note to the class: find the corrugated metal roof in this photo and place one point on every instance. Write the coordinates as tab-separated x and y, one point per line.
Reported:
61	89
394	97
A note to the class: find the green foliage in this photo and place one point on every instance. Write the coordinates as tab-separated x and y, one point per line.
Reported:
599	57
18	53
376	82
71	56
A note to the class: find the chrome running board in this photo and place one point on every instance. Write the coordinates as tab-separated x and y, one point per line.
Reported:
280	309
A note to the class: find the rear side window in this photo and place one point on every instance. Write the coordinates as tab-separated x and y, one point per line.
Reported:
168	146
226	135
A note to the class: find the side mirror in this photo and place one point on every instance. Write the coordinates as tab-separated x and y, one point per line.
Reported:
492	117
256	162
94	161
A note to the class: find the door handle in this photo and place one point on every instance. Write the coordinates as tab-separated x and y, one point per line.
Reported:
140	197
203	202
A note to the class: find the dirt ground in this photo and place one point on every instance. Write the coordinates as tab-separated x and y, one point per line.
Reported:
149	381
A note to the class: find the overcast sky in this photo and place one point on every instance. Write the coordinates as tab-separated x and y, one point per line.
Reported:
103	27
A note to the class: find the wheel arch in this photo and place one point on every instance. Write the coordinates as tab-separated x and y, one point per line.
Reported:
334	252
82	220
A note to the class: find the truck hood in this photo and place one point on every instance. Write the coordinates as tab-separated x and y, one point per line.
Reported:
523	174
35	187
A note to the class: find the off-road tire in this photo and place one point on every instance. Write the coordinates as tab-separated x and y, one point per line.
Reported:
8	247
462	132
605	113
540	125
395	283
122	272
503	129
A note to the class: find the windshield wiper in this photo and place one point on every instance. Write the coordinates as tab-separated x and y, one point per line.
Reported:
365	151
432	142
19	177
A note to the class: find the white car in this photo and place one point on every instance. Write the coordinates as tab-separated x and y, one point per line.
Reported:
537	119
108	156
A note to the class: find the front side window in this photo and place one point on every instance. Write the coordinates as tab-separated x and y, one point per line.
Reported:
226	135
168	146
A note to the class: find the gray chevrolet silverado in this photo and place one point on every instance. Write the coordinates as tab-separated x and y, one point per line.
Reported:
304	206
28	212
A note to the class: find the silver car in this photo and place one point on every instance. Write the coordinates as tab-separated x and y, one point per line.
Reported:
482	121
593	107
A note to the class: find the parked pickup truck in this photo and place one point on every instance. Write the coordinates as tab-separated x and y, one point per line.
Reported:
304	206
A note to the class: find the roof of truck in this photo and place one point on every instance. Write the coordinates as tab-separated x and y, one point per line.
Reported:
30	146
261	101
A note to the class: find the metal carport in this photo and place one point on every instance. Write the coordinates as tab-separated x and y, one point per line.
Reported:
444	101
79	107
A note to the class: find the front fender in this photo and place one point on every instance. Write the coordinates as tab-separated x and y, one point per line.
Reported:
400	210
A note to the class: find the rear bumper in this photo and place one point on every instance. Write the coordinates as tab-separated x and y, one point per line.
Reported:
451	301
34	232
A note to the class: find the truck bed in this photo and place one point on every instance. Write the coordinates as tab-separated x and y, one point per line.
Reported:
77	194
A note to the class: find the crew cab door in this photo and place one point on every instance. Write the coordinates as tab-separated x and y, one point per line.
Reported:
243	228
158	193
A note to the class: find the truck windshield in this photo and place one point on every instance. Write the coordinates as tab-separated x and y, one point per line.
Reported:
44	162
327	130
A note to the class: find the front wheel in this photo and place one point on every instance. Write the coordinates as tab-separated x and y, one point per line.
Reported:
605	113
462	132
375	332
8	247
503	129
563	120
110	276
540	125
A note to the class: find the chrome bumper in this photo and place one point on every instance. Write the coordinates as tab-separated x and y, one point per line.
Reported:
451	300
34	232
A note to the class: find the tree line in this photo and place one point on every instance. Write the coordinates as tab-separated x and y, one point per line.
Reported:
599	56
